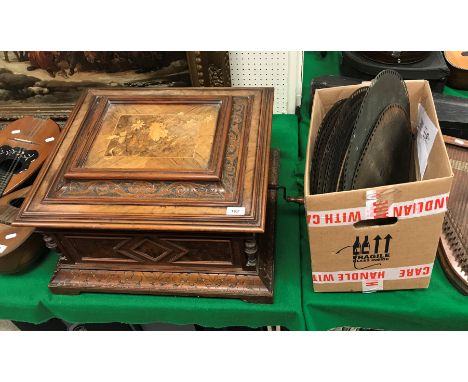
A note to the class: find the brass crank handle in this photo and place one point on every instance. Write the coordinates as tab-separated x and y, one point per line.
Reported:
289	199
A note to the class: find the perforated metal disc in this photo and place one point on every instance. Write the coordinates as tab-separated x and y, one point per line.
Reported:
322	137
387	88
386	156
335	150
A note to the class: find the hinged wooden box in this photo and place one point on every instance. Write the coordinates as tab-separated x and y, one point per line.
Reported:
161	191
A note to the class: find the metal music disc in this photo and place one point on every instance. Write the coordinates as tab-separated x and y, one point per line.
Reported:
320	142
387	88
386	156
335	150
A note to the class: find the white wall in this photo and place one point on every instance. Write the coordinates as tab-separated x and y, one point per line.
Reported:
282	70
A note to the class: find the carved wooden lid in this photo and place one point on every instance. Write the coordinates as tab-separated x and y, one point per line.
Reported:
164	159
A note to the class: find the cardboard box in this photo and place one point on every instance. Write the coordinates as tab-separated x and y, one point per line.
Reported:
353	251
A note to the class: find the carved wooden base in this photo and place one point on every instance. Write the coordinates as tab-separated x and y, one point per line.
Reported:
237	265
248	287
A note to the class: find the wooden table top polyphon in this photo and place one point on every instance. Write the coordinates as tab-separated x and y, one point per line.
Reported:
191	159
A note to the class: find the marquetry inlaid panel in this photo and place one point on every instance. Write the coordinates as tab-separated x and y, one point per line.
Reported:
160	138
156	136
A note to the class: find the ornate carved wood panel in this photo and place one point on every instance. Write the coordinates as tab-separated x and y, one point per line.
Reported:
152	250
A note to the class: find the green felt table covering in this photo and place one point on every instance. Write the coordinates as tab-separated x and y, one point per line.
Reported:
26	297
440	307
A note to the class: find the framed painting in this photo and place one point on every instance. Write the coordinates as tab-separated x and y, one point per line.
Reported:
48	84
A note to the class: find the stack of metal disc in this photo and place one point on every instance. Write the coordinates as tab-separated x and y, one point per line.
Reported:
365	140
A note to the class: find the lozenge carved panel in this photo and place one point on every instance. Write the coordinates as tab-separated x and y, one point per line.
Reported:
152	249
